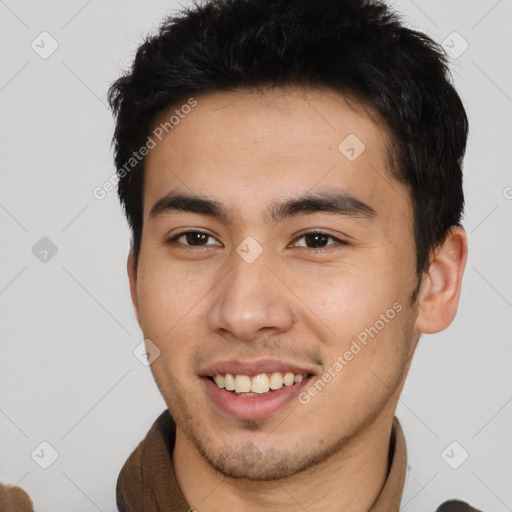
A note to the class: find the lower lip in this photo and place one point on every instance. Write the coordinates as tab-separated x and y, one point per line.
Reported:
253	407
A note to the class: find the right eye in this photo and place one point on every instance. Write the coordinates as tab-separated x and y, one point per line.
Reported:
191	239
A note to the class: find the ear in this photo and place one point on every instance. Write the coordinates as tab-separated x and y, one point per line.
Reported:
131	266
441	285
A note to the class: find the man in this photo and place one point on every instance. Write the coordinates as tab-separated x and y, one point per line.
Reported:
291	173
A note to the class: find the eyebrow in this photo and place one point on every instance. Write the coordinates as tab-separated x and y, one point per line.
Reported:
328	201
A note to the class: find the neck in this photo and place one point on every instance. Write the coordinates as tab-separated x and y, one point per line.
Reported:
351	479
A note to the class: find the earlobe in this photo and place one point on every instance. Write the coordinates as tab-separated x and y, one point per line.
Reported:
442	283
131	267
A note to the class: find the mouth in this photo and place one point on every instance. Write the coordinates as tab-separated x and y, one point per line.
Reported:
257	385
259	396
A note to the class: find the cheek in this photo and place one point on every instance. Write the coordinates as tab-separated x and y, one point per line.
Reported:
364	308
348	299
166	296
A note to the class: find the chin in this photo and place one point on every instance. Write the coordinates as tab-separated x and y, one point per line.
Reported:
257	464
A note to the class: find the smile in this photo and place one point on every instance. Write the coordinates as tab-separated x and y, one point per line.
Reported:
261	384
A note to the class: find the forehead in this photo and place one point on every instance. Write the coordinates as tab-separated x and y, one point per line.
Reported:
239	147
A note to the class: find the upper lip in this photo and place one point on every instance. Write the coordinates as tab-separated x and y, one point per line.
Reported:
254	367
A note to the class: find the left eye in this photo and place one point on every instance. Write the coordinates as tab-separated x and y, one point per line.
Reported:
318	240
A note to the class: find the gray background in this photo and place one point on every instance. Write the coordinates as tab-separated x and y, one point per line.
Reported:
68	375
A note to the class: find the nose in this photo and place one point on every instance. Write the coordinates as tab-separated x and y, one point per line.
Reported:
251	301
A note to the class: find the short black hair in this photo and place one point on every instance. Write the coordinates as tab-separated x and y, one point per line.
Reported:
356	47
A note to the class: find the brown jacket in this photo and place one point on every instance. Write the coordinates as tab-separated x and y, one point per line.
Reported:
14	499
147	482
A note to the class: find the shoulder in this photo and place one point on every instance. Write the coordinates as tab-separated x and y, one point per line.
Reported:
130	480
137	468
456	506
14	499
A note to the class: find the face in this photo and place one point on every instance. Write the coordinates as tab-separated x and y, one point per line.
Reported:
275	249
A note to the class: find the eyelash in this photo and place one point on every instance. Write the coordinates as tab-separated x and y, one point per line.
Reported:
174	238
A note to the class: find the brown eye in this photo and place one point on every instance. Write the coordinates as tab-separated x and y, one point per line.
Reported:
195	238
191	239
318	240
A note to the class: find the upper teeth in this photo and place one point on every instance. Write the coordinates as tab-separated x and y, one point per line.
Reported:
258	384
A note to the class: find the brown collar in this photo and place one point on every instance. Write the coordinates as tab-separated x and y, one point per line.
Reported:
148	482
391	494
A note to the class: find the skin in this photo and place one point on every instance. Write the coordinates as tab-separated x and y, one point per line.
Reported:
297	301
